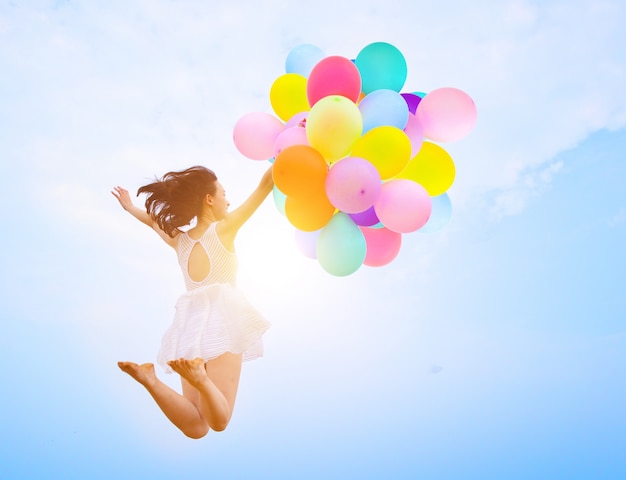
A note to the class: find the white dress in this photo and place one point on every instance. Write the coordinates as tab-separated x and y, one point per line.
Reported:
213	316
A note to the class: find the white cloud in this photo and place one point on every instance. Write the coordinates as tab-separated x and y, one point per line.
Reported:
512	200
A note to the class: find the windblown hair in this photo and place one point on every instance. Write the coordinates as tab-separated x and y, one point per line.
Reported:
176	199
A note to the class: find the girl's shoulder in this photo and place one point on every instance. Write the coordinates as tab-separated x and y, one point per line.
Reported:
197	232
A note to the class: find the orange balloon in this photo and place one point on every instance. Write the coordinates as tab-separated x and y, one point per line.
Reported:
299	170
309	212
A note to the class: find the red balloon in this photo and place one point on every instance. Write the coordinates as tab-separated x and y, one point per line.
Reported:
334	75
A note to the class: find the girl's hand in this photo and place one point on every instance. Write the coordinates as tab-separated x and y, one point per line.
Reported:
123	197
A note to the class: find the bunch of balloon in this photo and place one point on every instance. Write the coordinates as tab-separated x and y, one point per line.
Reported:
357	162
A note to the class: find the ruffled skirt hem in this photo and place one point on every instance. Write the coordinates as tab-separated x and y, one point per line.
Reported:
210	321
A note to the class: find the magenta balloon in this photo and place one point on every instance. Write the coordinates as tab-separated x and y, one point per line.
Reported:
288	137
411	100
353	184
446	114
383	246
334	75
403	205
366	218
255	133
415	132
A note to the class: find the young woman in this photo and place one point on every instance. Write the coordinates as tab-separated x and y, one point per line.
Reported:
215	328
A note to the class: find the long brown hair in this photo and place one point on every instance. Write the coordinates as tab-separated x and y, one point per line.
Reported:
176	199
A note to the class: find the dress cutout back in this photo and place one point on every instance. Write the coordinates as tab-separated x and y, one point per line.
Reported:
223	262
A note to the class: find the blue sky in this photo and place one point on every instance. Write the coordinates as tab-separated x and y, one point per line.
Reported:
494	348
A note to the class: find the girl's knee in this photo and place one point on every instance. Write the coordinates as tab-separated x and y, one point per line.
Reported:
220	422
220	425
197	431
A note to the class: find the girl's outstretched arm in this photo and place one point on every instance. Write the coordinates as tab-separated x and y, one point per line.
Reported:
123	197
230	225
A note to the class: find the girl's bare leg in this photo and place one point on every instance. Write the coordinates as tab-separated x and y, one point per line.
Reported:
180	410
214	385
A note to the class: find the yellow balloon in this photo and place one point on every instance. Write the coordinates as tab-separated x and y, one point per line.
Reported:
333	125
288	96
432	167
387	148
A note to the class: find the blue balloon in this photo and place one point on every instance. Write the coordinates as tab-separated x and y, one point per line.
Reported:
302	59
341	246
384	107
440	215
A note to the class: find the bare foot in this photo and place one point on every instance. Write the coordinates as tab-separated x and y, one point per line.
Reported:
191	370
143	373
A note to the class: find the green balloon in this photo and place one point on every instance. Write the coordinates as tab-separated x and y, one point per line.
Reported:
279	199
341	246
381	66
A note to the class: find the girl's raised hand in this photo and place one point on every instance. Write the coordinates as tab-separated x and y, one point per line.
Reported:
123	197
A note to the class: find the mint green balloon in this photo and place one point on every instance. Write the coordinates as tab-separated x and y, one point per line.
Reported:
279	199
381	66
341	246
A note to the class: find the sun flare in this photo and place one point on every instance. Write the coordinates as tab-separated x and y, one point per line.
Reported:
269	259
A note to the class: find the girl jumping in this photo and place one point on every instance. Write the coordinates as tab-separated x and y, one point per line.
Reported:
215	328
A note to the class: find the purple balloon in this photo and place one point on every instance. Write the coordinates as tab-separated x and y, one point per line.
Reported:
366	218
411	100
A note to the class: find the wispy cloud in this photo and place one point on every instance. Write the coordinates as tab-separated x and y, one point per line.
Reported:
512	200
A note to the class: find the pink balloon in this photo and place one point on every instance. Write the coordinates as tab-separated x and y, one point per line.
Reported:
403	205
288	137
353	185
334	75
298	120
415	132
255	133
383	246
446	114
